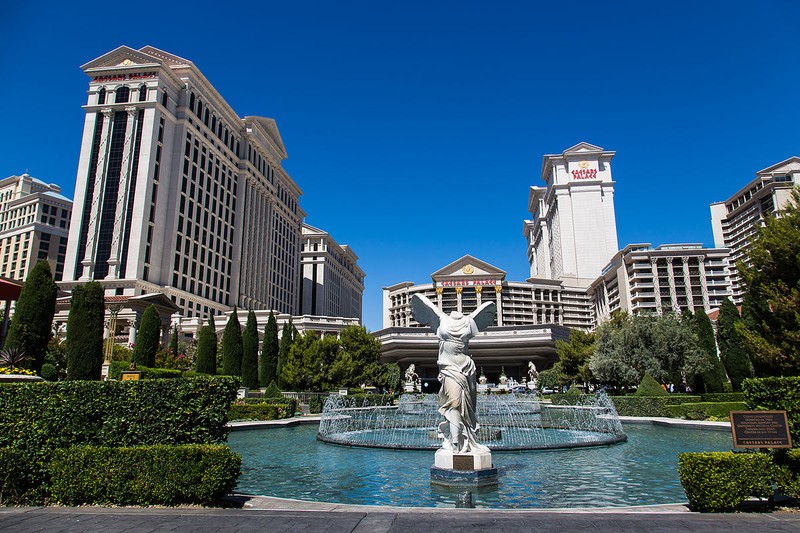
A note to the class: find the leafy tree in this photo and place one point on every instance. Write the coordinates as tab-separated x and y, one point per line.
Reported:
771	328
358	361
268	364
207	349
232	347
663	346
250	352
731	345
85	332
713	379
31	329
287	336
574	356
148	338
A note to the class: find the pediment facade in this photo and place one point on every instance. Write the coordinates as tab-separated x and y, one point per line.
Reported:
471	270
123	56
582	147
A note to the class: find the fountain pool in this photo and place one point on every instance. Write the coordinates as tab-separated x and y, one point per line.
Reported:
292	463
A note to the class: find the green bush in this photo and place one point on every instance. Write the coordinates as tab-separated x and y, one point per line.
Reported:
147	373
789	472
368	400
705	410
779	393
18	481
719	481
143	475
316	403
273	391
722	397
262	410
656	406
650	387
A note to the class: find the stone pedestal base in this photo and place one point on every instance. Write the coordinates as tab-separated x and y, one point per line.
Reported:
472	469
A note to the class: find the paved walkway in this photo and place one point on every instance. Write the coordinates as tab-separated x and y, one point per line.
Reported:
379	520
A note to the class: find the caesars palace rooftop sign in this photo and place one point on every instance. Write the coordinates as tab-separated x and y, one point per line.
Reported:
468	282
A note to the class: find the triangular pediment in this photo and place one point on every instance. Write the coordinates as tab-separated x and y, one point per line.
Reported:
469	267
123	56
582	147
166	57
789	165
270	129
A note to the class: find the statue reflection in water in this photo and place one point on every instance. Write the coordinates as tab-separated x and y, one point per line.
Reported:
459	393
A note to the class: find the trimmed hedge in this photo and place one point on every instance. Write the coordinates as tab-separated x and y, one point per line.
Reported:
147	373
722	397
776	394
40	417
368	400
18	484
262	410
719	481
657	406
705	410
789	473
143	475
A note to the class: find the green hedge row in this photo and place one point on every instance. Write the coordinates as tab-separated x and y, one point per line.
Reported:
147	373
262	410
719	481
18	480
144	475
780	393
368	400
722	397
788	462
40	417
705	410
657	406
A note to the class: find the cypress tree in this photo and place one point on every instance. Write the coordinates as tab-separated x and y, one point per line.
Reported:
232	347
715	378
250	352
173	341
148	337
85	332
206	362
732	346
283	352
31	328
269	353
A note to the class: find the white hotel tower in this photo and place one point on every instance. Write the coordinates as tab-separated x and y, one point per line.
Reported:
574	231
176	194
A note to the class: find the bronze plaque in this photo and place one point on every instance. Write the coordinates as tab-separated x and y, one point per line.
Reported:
463	462
760	429
130	376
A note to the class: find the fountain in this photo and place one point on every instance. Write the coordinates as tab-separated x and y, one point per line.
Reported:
507	422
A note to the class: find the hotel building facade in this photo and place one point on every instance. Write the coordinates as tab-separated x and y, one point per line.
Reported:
736	220
34	226
177	194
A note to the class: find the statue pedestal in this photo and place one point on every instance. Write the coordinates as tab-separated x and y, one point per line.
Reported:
471	469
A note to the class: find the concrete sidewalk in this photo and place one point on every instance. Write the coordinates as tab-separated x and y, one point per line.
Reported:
379	520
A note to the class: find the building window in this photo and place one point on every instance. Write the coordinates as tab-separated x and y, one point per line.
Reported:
101	96
123	95
143	93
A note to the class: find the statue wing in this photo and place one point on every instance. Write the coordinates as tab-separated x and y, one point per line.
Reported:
484	315
425	311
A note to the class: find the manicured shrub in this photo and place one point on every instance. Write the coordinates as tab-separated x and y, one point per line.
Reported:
148	338
722	397
206	362
84	350
114	372
232	347
789	473
650	387
778	393
649	405
273	391
262	411
316	403
143	475
705	410
268	364
250	352
719	481
18	482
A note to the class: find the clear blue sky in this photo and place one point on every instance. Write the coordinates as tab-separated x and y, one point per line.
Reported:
416	128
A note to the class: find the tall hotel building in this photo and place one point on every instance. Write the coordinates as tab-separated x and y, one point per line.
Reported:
34	226
735	221
177	194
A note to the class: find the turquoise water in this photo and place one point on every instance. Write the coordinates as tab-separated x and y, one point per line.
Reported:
291	463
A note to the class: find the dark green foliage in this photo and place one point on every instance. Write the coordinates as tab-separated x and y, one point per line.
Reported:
650	387
30	331
263	410
173	341
722	397
574	357
272	391
18	482
713	379
85	332
776	394
705	410
284	348
719	481
117	367
232	347
206	361
268	365
316	403
649	405
731	343
250	352
772	278
148	338
143	475
789	473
